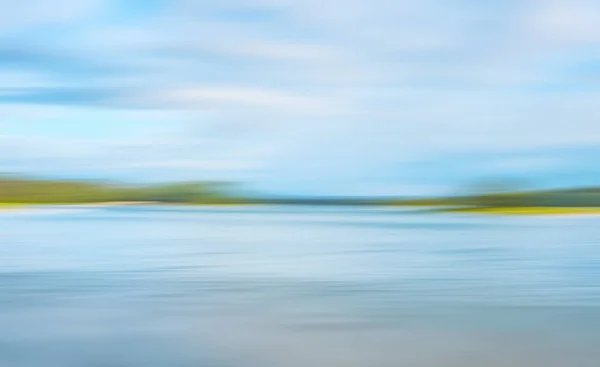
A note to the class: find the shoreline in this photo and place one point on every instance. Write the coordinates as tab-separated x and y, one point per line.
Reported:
527	211
506	211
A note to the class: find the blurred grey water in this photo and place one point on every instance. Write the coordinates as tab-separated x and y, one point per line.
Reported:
296	286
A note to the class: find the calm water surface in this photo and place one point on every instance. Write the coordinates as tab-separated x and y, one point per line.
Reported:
296	287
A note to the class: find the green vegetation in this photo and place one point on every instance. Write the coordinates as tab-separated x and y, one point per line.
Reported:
525	210
16	192
547	199
548	202
9	206
26	191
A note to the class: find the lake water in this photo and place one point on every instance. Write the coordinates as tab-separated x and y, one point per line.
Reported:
296	287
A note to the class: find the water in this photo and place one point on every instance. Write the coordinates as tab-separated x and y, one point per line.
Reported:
296	286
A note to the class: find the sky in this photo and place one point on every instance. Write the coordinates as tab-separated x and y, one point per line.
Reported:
303	97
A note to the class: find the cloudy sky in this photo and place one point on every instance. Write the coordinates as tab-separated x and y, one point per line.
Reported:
340	97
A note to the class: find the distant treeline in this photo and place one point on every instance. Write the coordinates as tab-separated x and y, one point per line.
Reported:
35	191
579	197
31	191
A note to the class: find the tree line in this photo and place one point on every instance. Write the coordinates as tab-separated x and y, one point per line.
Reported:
36	191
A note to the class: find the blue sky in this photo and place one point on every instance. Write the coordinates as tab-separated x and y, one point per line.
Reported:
379	97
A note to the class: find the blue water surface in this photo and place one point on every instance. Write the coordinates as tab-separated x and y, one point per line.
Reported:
296	286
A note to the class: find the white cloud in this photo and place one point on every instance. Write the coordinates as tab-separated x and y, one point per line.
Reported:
25	79
523	164
564	22
281	51
20	113
18	15
219	97
204	165
351	83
